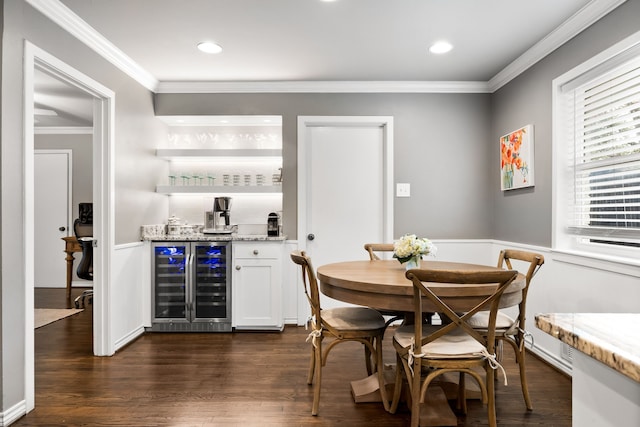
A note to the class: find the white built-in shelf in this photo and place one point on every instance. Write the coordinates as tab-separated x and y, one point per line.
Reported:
205	189
181	153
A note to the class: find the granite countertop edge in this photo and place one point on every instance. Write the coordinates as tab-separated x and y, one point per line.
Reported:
199	237
611	338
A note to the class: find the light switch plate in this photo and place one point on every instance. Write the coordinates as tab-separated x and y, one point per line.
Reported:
403	190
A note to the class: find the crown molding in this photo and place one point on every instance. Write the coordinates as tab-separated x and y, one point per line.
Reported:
72	23
324	87
63	130
69	21
580	21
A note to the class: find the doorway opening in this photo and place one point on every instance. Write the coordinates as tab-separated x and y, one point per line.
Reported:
102	106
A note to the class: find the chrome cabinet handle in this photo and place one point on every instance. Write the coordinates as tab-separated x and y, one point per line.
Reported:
238	267
62	228
255	252
311	236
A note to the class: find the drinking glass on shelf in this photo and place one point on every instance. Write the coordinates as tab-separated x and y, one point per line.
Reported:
225	179
247	179
186	178
211	179
259	179
197	178
236	179
172	178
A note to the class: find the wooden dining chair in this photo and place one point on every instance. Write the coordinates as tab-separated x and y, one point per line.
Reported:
456	346
373	249
508	329
341	324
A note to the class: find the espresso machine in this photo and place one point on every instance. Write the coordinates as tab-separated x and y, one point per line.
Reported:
219	220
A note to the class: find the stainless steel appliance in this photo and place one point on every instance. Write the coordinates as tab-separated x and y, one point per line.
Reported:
191	286
273	224
219	220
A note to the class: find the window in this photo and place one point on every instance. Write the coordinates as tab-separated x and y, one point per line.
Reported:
597	154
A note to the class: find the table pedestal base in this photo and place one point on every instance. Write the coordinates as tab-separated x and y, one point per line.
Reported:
435	411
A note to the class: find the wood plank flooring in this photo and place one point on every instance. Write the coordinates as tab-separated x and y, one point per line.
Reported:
234	379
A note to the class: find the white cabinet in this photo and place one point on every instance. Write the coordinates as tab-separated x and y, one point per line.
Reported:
257	285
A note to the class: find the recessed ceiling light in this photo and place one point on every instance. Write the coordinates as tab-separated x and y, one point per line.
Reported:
440	47
209	47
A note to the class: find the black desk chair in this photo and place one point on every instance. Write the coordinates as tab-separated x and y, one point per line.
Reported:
83	231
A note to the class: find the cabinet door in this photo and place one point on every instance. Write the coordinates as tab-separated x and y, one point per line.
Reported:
257	286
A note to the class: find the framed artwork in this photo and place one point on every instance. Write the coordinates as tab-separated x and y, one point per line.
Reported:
516	159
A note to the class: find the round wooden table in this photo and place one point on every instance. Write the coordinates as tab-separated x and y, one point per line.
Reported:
381	284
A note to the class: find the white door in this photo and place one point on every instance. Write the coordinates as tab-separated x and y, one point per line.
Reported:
52	218
345	182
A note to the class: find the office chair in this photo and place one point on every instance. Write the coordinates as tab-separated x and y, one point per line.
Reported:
83	230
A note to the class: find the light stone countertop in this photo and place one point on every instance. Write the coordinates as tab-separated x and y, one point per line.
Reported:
200	237
611	338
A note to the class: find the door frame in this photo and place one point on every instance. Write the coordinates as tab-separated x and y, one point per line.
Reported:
69	154
305	123
103	190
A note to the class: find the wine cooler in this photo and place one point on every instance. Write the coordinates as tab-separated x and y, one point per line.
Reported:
191	286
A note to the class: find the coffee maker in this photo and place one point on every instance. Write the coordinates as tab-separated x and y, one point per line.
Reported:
219	221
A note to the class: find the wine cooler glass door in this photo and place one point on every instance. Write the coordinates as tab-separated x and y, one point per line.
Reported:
211	282
170	280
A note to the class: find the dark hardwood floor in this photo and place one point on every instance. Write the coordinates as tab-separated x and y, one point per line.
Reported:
234	379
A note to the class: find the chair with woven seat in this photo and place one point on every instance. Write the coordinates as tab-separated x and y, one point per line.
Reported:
454	347
508	329
338	325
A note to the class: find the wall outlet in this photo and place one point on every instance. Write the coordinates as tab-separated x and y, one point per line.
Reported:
403	190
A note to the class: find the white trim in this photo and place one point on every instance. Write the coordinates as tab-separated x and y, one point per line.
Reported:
324	87
74	25
12	414
103	184
63	16
63	130
580	21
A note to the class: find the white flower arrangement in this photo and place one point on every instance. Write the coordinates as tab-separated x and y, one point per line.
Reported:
409	246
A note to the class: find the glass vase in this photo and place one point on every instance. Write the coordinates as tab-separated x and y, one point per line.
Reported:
413	262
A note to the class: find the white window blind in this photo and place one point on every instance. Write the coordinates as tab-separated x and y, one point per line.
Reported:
606	157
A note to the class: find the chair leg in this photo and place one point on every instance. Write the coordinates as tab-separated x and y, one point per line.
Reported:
318	380
312	366
462	393
523	379
415	393
397	389
367	358
380	371
491	396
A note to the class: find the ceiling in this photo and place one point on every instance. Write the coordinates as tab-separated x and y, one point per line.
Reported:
342	41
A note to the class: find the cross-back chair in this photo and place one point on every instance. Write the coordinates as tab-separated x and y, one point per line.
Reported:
508	329
456	346
340	324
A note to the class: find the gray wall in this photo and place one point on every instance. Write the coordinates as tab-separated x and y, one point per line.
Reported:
441	147
525	215
136	134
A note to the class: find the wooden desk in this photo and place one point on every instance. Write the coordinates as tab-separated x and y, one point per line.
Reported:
382	284
71	245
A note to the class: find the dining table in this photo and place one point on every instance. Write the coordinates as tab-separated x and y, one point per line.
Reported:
383	285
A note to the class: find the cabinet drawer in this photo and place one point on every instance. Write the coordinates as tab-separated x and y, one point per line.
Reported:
257	250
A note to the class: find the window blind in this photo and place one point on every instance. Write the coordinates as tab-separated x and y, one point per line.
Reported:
606	157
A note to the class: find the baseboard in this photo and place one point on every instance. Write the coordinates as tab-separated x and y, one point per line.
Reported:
556	362
13	414
122	342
